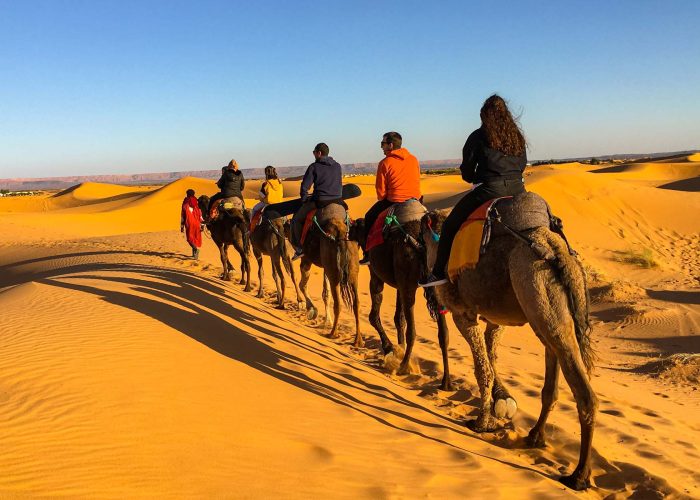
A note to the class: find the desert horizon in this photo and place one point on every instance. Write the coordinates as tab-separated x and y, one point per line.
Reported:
130	369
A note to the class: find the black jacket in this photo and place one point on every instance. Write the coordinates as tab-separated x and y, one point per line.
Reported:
480	163
231	183
326	175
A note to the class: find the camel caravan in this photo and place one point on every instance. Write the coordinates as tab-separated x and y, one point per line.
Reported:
499	256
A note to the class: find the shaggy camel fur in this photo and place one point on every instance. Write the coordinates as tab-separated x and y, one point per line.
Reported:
339	259
399	264
230	229
512	285
268	239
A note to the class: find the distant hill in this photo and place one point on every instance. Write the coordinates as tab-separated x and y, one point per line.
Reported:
54	183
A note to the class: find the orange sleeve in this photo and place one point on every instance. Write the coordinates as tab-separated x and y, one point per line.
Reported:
380	183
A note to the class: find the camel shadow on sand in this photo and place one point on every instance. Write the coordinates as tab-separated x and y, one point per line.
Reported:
204	310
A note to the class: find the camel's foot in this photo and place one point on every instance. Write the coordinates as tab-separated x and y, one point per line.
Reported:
359	341
482	424
387	348
446	384
576	481
260	294
404	368
333	335
535	439
311	313
505	408
226	277
248	288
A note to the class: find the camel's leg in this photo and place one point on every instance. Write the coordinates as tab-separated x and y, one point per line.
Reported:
400	320
550	393
278	276
469	329
335	294
259	259
359	341
223	251
376	289
504	405
444	339
568	355
326	300
305	268
289	267
408	300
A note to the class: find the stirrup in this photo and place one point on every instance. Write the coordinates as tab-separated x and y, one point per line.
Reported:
432	280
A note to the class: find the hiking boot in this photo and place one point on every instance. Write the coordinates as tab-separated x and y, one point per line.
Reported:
432	280
364	260
298	255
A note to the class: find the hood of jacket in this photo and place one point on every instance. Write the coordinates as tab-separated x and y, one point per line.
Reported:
401	154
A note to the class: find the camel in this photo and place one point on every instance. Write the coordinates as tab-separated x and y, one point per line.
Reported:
515	283
329	248
268	238
400	262
230	229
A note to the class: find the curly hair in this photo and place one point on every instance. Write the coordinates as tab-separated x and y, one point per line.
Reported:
502	131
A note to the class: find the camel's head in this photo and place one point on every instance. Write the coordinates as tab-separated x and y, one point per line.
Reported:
430	227
203	202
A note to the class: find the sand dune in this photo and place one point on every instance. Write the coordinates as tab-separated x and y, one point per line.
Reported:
127	369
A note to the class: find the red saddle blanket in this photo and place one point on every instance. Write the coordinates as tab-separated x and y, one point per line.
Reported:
307	224
255	220
466	247
375	237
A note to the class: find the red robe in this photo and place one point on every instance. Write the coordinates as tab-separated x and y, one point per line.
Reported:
191	218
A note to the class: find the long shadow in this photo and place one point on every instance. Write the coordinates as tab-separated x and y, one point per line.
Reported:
691	185
196	307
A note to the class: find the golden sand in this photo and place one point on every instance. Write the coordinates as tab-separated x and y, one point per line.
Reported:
128	369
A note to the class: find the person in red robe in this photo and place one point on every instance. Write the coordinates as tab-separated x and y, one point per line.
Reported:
190	222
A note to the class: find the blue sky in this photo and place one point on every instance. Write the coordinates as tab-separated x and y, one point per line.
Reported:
96	87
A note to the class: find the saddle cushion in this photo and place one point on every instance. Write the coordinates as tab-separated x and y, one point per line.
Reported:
227	204
407	211
520	212
332	211
466	246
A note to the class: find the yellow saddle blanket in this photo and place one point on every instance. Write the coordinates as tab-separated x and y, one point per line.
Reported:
466	247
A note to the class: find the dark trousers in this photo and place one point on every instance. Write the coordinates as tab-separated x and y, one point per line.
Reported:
464	207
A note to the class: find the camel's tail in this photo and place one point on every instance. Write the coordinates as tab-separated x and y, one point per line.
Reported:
572	275
337	230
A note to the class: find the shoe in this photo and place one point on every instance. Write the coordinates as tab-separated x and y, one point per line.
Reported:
196	254
298	255
432	280
364	260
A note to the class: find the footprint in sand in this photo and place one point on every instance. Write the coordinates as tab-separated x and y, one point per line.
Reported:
614	413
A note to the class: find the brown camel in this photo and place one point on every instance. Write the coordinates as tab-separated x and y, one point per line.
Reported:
231	228
268	238
516	283
399	262
328	247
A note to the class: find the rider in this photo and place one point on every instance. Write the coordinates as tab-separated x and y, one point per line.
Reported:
398	180
270	191
326	176
493	160
231	183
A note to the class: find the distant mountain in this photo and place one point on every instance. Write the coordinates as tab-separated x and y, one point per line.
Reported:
54	183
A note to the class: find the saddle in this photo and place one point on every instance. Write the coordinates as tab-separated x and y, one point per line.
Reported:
225	205
321	216
261	214
497	217
392	219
